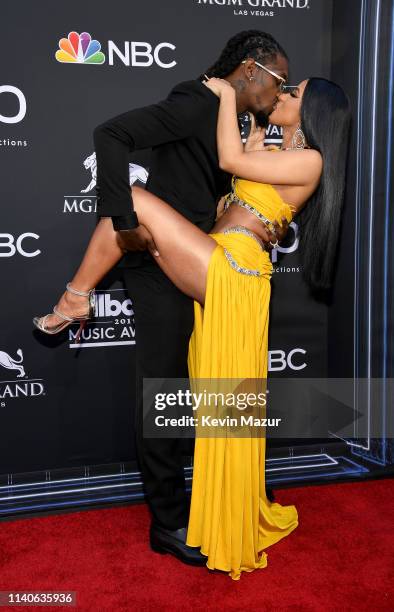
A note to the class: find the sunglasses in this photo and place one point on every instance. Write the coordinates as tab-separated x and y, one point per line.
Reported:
283	88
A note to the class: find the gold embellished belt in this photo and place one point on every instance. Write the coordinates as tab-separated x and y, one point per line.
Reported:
242	230
232	198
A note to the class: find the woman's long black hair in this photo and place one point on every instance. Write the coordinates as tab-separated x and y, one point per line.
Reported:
325	121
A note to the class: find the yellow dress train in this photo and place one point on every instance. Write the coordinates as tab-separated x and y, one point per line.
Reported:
231	519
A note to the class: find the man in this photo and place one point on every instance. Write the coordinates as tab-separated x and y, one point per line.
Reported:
184	172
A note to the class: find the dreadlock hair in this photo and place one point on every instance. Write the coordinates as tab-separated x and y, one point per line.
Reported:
250	43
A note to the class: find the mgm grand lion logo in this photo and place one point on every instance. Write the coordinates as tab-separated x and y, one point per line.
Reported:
136	173
12	389
6	361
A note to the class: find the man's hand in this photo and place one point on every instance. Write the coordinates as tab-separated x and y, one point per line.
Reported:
280	233
138	239
220	208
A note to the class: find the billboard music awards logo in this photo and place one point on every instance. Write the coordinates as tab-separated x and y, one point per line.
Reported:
20	386
88	203
256	8
82	49
113	322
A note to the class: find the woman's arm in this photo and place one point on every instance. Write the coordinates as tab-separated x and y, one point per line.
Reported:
286	168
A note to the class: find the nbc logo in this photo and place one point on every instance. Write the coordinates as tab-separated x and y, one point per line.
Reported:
80	49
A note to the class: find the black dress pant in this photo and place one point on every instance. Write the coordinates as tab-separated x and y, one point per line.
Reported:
164	322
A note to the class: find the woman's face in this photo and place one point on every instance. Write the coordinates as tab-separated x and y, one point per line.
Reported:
287	110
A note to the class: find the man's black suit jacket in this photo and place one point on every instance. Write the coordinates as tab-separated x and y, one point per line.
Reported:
184	168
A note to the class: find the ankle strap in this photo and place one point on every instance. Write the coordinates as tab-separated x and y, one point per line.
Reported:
71	290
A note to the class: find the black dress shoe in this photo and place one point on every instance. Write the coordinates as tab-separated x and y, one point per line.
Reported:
174	542
270	495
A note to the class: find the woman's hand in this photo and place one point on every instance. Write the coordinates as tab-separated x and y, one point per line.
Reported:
255	141
219	86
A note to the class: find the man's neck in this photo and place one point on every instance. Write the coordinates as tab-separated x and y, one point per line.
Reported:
239	86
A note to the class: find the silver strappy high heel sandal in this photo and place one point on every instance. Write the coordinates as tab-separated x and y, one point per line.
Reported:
40	322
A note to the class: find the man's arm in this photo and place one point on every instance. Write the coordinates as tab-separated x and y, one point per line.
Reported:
172	119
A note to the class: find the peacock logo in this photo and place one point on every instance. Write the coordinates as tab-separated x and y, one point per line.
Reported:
79	49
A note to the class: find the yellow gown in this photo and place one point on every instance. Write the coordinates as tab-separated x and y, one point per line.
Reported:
231	520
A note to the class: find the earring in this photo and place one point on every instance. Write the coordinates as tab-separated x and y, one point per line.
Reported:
298	141
252	78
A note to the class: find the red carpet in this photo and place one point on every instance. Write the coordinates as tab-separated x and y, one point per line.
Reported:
341	557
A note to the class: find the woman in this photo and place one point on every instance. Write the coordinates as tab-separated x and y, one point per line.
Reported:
228	274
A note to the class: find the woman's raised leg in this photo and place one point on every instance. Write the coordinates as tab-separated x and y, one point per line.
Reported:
184	249
102	253
184	253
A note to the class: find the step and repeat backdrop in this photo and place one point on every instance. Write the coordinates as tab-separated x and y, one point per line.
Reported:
63	72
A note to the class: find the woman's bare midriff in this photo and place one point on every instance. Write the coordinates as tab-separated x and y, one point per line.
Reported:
235	215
